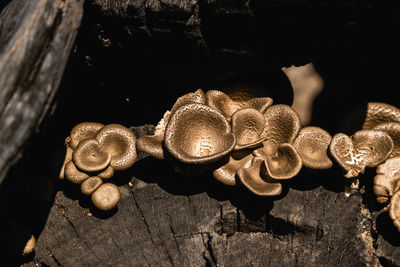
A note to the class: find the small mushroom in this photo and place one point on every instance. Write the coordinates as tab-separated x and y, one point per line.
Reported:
83	131
90	157
68	158
237	159
284	164
282	124
393	129
366	148
106	197
387	180
394	210
247	126
197	134
312	144
227	106
119	142
262	186
73	174
378	113
107	173
90	185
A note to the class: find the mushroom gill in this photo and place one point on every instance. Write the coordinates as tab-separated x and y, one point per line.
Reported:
387	180
393	129
366	148
91	185
247	126
394	210
198	134
89	156
312	144
83	131
251	179
120	143
378	113
227	106
106	197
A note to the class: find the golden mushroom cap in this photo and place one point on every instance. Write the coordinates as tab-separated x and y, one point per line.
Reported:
106	197
237	160
90	185
90	157
284	164
378	113
247	126
30	246
394	210
68	158
198	134
312	144
73	174
190	98
366	148
387	180
119	142
82	131
227	106
251	179
393	129
282	124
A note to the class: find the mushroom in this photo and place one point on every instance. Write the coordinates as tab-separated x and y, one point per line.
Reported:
83	131
198	134
120	143
237	159
91	185
190	98
312	144
90	157
227	106
68	158
106	196
30	246
73	174
366	148
387	180
394	210
107	173
247	126
393	129
378	113
262	186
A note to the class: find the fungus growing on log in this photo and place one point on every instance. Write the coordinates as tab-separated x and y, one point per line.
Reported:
393	129
394	210
90	185
387	180
73	174
83	131
378	113
106	197
68	158
89	156
247	126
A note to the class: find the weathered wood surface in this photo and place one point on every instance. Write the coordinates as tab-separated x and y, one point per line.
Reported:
36	38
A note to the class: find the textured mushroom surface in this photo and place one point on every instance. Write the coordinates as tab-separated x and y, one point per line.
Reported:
247	126
74	175
90	157
68	158
83	131
106	197
90	185
387	180
197	133
227	106
366	148
378	113
312	144
120	143
394	211
190	98
393	129
237	159
251	179
107	173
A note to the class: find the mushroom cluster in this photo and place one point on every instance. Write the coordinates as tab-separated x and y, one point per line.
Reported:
94	152
240	138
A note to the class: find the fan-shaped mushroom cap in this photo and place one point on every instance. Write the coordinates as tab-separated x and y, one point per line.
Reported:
237	159
387	180
284	164
378	113
73	174
366	148
90	185
227	106
394	211
312	144
247	126
120	143
82	131
106	196
190	98
107	173
30	246
393	129
197	133
282	124
250	178
89	156
68	158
